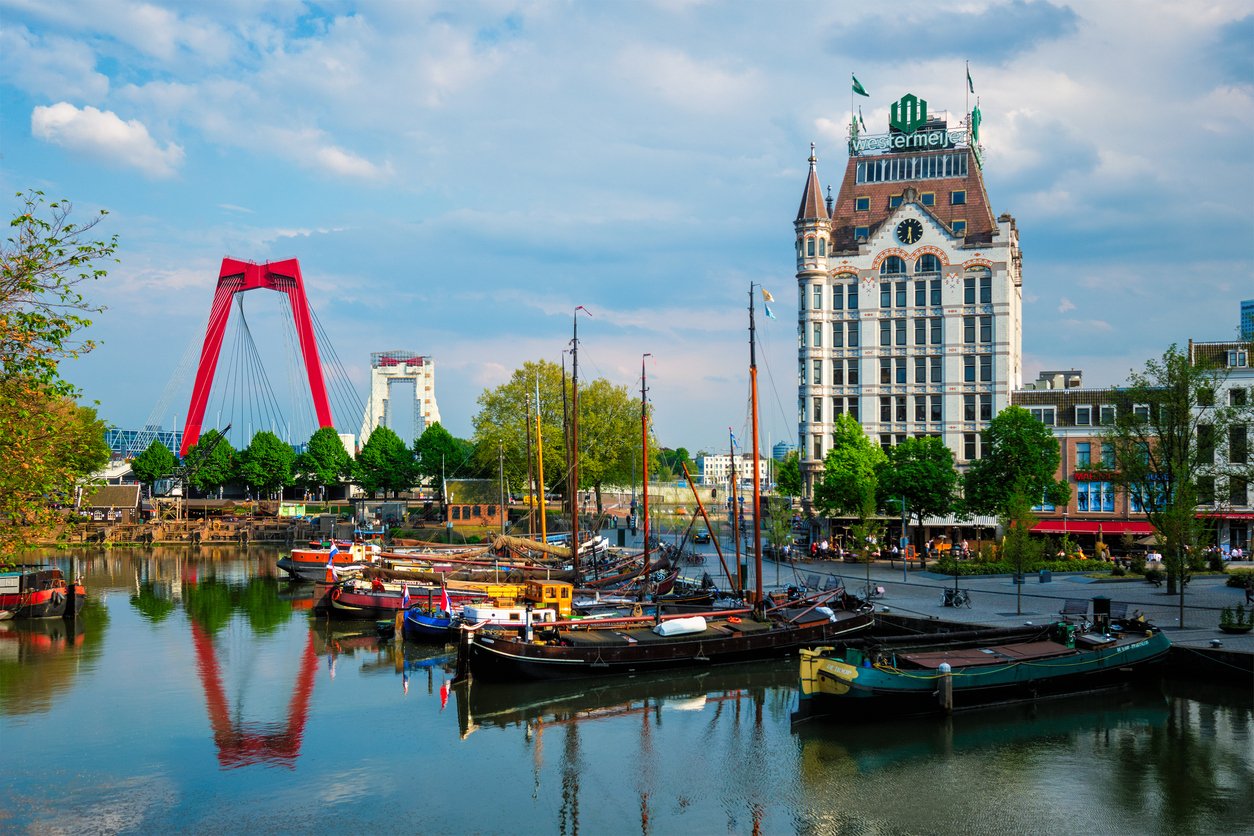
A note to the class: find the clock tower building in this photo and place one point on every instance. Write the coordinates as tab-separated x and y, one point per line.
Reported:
909	291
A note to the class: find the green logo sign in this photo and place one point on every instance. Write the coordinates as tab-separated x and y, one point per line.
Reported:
909	114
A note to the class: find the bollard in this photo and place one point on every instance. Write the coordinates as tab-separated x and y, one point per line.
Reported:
946	687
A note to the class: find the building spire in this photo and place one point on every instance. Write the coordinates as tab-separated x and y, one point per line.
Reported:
812	199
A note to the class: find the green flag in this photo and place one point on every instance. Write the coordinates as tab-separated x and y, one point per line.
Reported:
858	88
976	119
970	85
860	119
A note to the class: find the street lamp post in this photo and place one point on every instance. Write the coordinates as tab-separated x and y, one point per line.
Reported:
905	570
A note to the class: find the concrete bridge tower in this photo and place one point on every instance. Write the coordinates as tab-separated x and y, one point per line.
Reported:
388	367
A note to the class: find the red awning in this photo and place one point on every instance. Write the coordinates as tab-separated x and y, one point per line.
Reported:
1227	515
1092	527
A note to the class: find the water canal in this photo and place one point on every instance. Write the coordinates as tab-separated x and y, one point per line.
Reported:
198	694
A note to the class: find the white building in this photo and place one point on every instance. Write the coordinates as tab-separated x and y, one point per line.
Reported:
909	293
388	368
1226	496
716	471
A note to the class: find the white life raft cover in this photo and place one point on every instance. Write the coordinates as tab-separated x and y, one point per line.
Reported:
681	626
827	611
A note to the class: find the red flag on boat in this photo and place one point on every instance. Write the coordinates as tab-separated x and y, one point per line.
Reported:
445	604
404	595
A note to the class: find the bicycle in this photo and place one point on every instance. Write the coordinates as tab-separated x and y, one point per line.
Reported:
955	598
873	591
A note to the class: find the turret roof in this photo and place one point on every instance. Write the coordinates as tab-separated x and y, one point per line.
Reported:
812	205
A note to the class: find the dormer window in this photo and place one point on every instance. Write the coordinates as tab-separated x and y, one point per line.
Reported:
928	198
1083	415
862	204
960	228
958	198
894	201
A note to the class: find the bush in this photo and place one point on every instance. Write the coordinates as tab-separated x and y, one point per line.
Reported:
1154	575
1195	561
1215	561
1117	572
1240	578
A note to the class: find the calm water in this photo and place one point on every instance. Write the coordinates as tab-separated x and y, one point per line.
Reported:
198	694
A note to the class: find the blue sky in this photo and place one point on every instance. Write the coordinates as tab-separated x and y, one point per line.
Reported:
456	177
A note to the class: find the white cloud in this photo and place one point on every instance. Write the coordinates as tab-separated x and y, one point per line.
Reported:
103	134
1065	305
686	83
50	66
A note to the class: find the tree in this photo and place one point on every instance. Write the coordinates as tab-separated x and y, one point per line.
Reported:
438	453
1176	431
921	471
42	264
154	463
1021	459
849	483
1018	548
788	475
210	462
609	428
325	462
384	463
609	436
47	442
265	465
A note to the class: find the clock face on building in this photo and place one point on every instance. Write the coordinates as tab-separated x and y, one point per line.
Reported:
909	231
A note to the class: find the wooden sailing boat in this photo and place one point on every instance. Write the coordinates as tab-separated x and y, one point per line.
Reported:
571	649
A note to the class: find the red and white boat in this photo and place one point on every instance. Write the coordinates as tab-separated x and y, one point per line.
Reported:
311	564
28	591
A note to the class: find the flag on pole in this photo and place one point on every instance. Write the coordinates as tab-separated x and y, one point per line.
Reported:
766	295
976	119
970	85
404	595
861	121
858	88
445	604
733	439
769	313
332	576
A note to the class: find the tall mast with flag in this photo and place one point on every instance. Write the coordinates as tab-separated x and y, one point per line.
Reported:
855	90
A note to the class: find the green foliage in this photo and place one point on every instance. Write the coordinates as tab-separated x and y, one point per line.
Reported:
384	463
265	465
1168	423
42	264
154	463
1021	457
47	442
437	452
324	463
788	475
1234	616
920	470
1240	578
849	482
609	428
210	462
779	524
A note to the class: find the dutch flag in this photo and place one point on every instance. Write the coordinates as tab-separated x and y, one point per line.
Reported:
445	604
331	559
404	596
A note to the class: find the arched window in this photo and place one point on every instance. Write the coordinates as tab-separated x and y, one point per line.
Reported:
822	246
927	263
810	247
892	264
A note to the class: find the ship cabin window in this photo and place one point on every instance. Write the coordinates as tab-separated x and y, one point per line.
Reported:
862	204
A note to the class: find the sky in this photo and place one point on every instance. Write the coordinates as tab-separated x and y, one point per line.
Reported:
455	178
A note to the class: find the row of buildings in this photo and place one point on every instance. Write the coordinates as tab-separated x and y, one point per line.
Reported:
910	319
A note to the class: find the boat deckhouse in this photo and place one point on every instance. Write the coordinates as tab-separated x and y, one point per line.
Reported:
909	291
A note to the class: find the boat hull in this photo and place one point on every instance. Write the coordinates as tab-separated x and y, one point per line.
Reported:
837	689
39	592
424	627
606	652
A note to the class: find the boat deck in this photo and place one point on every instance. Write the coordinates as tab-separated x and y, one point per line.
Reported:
970	657
645	635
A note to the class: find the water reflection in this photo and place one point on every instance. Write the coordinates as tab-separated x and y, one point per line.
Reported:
41	658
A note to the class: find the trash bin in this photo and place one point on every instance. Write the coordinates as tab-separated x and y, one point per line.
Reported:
1045	577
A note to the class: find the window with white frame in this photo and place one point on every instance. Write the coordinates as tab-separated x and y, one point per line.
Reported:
1083	415
1044	414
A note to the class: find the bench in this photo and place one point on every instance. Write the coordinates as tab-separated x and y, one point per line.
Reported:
1076	609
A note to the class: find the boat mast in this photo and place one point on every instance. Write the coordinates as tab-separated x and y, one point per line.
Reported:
735	509
543	503
574	437
757	483
644	447
531	474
